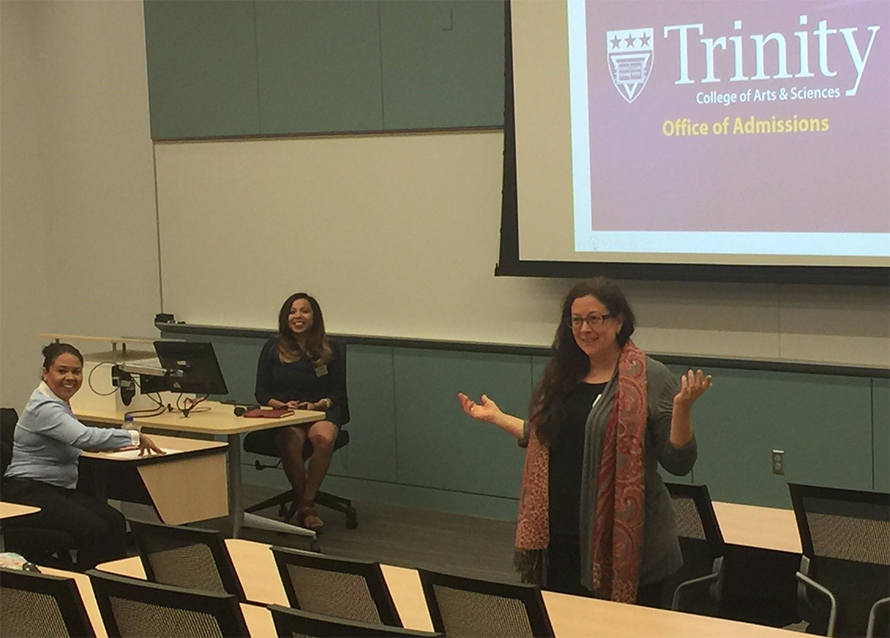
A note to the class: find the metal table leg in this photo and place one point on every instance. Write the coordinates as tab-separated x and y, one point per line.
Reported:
237	516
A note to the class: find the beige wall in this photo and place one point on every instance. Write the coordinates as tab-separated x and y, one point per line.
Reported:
77	205
79	249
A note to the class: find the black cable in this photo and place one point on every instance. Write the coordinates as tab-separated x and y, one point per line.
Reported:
158	401
90	381
191	404
147	413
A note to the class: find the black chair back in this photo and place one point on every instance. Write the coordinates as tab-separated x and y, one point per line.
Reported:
339	587
8	420
33	604
463	607
295	623
133	608
845	536
703	547
186	557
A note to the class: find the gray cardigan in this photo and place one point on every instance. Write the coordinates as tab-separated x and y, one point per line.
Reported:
661	549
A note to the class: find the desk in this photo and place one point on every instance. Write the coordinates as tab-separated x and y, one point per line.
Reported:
185	485
571	616
761	527
10	510
761	557
210	418
258	619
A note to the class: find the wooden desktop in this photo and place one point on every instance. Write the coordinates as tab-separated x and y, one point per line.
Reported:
209	419
571	616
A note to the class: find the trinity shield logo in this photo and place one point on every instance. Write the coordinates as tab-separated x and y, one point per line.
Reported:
630	53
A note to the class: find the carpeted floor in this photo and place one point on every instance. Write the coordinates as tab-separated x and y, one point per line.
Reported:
409	537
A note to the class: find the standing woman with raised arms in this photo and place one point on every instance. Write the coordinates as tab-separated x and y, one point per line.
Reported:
43	471
300	370
595	518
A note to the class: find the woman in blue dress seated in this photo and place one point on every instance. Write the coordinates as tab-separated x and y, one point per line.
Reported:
299	370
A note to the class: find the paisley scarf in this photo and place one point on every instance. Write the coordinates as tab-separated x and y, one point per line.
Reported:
619	507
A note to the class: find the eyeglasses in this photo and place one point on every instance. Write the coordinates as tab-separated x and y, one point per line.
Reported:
594	321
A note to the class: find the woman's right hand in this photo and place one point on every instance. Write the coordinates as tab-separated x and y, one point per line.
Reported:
147	446
486	410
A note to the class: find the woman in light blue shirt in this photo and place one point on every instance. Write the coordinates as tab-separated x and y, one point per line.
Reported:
43	472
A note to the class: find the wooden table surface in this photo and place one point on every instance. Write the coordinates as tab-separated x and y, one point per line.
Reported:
10	510
571	616
209	417
258	619
762	527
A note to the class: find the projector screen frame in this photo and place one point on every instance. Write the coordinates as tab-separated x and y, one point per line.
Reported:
511	265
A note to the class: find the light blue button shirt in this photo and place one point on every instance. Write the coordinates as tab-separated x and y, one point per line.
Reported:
49	439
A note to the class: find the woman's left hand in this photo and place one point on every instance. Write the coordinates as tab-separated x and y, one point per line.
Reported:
692	386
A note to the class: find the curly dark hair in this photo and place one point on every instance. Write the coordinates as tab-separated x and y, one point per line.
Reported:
568	364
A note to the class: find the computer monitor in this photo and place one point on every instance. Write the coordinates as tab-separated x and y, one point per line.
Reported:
192	367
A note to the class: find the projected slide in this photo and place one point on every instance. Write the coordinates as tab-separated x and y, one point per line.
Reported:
731	128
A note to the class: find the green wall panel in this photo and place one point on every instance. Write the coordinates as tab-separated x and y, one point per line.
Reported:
371	453
822	423
881	425
438	445
202	73
538	366
443	63
411	443
319	66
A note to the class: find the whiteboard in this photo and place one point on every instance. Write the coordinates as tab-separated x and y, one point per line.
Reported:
397	236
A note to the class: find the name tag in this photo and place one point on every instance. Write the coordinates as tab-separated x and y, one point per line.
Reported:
320	371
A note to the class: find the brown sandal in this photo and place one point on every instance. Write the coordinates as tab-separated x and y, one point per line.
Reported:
309	518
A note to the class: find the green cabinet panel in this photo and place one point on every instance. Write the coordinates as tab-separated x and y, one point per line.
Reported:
822	423
319	66
438	445
371	453
538	366
202	73
881	425
443	63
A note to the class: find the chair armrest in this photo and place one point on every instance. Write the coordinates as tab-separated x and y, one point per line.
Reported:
715	578
832	615
873	615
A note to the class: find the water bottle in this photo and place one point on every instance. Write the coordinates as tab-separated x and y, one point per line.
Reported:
129	424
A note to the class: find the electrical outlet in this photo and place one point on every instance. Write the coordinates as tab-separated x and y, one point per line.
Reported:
778	461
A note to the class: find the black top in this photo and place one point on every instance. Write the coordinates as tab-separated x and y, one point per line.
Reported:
300	380
566	462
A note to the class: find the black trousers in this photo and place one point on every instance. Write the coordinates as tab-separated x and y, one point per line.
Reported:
564	575
99	530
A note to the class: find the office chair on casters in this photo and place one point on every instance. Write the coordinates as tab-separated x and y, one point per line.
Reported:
701	542
134	608
186	557
463	607
844	576
33	604
293	622
263	443
338	587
